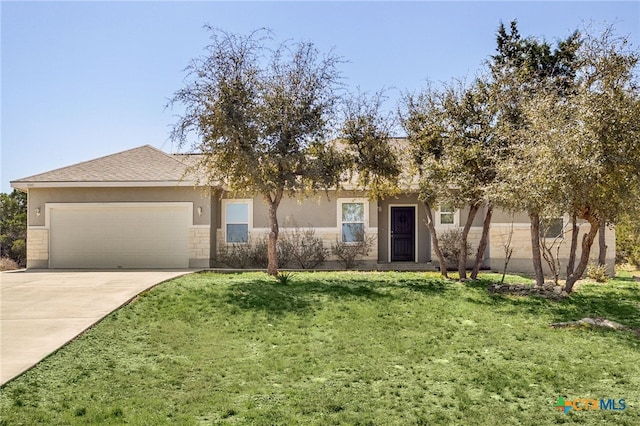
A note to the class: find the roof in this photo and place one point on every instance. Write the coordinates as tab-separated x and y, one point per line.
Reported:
142	166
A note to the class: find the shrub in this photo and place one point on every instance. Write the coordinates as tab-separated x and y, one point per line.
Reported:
449	242
351	253
597	273
19	251
259	253
251	254
303	248
7	264
236	255
628	241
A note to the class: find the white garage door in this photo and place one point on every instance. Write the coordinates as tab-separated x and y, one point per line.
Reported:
119	235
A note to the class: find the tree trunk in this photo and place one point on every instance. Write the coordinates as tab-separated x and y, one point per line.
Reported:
574	245
462	260
434	240
534	218
602	247
587	242
272	246
482	246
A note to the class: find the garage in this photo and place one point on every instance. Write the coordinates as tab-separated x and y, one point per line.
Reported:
119	235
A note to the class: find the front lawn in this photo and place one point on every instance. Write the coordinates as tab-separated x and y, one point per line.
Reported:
339	348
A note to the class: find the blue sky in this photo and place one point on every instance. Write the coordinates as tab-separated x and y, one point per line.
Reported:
86	79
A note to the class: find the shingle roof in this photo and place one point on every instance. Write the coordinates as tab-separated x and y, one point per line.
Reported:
144	164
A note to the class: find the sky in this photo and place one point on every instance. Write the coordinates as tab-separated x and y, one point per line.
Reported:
85	79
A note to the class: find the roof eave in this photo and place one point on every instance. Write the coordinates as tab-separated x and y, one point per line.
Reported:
25	185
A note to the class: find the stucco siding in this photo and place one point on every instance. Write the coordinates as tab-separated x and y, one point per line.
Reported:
502	216
318	211
38	197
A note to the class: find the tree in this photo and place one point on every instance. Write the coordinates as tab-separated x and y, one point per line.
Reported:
528	77
13	226
262	119
371	157
422	118
628	239
570	126
608	107
452	134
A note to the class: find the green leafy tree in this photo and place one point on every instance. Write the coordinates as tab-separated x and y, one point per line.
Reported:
13	226
371	155
527	77
571	133
262	119
628	239
608	107
422	117
451	132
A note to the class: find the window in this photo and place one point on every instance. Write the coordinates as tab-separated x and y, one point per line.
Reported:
352	220
447	215
237	222
552	228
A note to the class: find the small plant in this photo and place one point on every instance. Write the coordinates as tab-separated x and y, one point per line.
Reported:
597	273
284	277
350	253
450	245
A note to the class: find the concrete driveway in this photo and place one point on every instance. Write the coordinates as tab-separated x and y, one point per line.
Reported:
41	311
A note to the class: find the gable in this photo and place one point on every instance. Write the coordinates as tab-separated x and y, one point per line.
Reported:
142	166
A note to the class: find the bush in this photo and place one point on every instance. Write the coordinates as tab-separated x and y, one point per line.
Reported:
236	255
597	273
303	248
628	241
449	242
351	253
7	264
19	251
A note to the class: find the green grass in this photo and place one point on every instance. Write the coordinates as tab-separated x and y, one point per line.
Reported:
339	348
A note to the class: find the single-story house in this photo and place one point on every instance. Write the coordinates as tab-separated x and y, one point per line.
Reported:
136	209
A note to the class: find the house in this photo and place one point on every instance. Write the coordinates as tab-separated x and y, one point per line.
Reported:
138	209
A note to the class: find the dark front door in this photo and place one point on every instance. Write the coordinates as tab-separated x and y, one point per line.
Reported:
403	234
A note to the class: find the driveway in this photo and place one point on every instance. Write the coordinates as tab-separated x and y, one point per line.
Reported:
41	311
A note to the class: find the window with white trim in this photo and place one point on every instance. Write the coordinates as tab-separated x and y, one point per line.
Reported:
236	216
352	223
447	216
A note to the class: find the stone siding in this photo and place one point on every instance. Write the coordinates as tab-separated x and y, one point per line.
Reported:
37	248
199	246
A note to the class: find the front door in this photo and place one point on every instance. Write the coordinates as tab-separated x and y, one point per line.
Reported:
403	234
